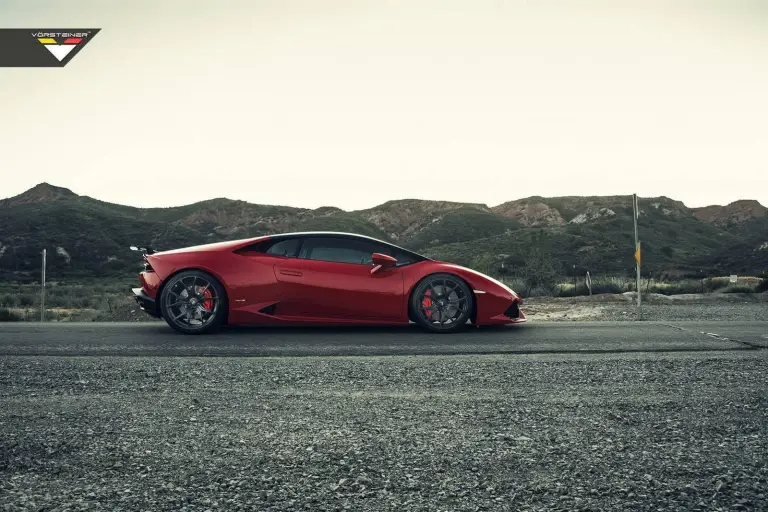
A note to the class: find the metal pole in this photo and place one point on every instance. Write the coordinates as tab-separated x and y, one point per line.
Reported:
42	293
636	209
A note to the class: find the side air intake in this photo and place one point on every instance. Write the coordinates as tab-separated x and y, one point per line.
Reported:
512	311
269	310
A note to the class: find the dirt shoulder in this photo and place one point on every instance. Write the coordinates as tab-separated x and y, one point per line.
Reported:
617	307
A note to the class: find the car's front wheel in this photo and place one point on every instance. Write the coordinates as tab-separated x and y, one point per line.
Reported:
193	302
442	303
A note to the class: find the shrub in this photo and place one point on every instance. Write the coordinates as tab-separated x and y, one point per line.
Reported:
26	300
484	263
516	285
539	272
569	290
679	287
6	315
598	288
8	300
83	302
738	288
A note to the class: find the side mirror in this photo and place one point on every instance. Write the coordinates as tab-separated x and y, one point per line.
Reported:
381	261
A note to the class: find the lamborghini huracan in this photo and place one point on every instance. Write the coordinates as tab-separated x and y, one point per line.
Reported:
317	278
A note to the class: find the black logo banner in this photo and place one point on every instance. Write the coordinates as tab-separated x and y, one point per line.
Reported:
42	47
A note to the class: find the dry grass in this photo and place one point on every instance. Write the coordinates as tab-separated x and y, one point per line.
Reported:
88	301
99	301
609	284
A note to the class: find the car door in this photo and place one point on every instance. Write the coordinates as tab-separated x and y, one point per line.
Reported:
331	278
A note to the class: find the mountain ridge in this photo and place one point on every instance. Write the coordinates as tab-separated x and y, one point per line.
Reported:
44	191
585	232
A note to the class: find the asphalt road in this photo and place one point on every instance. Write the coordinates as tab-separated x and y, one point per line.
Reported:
555	416
157	339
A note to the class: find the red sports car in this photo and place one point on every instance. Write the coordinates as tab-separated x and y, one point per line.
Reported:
317	278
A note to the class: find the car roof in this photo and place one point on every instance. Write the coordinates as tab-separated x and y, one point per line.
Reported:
326	233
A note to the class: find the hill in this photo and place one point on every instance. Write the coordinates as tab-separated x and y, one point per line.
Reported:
86	237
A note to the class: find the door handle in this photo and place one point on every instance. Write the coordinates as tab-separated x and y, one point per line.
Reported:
291	273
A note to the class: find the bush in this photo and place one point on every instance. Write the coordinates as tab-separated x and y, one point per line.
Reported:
569	290
83	302
598	288
26	300
6	315
539	272
8	300
680	287
738	288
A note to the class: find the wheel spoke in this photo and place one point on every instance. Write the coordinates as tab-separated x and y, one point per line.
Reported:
192	302
448	307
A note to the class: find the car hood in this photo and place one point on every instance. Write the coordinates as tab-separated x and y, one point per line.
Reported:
478	280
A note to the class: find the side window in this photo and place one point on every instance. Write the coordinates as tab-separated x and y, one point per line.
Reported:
287	248
340	250
402	258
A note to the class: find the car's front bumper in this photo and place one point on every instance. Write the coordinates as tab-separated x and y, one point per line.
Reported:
514	314
498	310
145	302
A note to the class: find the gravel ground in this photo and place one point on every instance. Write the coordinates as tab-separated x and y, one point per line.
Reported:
601	432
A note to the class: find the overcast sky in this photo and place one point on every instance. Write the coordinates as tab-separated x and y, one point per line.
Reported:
353	103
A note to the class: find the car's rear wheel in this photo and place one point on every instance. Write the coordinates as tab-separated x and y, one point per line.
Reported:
193	302
442	303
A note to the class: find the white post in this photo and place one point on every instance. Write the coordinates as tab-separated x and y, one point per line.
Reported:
42	292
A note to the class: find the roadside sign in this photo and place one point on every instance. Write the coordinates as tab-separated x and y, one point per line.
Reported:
733	278
637	255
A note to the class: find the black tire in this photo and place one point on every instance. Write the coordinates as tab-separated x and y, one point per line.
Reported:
442	303
198	312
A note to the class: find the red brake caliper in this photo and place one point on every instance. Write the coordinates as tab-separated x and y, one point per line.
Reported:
426	303
208	303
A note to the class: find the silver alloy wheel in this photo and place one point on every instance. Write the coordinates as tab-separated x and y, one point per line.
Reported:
443	302
191	302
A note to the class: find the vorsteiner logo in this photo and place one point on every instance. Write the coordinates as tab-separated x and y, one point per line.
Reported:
42	47
60	34
67	41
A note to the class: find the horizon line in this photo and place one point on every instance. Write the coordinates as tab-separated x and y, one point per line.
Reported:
43	183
